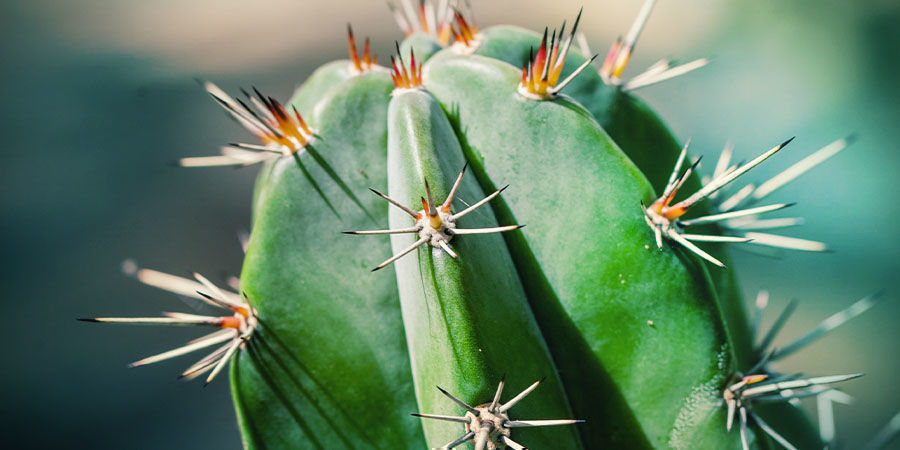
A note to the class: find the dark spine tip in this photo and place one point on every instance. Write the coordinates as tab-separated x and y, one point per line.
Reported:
88	319
348	232
787	141
851	138
788	205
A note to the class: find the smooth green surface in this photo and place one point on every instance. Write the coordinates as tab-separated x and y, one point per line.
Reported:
422	44
328	366
587	250
467	320
651	146
317	86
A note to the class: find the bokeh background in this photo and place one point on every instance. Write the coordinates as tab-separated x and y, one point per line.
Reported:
98	97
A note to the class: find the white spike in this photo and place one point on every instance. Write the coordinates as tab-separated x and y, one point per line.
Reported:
458	441
773	240
696	250
175	284
718	183
733	214
478	204
197	344
540	423
448	249
771	432
561	85
402	254
736	199
233	348
713	238
512	402
397	231
766	224
511	443
486	230
801	167
444	418
673	72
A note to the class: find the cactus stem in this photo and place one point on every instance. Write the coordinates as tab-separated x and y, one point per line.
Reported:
488	425
436	225
234	331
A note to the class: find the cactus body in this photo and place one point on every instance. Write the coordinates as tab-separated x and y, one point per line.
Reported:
467	319
329	368
585	249
633	336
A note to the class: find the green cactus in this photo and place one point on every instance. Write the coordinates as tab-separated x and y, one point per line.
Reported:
604	294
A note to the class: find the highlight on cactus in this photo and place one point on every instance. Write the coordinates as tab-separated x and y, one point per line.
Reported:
641	341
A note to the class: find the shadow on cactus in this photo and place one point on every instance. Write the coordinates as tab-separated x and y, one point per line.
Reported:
604	294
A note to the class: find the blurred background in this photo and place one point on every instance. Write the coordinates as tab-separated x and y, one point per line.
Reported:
98	98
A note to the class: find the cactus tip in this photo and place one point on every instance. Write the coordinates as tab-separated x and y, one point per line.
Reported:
541	73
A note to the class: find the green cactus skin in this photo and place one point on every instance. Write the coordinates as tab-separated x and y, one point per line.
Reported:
467	319
319	84
423	45
648	142
580	197
328	367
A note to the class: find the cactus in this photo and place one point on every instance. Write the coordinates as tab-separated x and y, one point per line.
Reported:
637	333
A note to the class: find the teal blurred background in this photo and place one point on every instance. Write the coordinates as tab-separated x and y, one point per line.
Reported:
98	98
